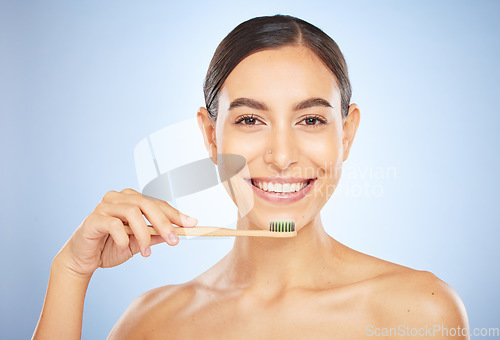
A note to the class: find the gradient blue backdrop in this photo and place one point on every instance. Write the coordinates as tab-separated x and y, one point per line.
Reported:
81	83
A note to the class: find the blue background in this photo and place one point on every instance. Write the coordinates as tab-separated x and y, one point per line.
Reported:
81	83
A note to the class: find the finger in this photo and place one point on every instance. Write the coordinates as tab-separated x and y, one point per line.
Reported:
160	222
114	227
134	245
130	214
133	214
159	218
129	191
110	196
174	215
155	239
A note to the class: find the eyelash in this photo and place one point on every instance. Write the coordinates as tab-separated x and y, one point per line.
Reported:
245	118
318	118
248	117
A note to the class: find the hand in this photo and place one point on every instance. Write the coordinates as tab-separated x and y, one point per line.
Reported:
101	239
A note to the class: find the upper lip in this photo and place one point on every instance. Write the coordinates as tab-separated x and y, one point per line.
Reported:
280	179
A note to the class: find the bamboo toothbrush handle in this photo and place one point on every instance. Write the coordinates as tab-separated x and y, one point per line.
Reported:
215	231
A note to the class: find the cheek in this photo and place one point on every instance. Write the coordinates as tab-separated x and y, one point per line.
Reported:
324	150
248	145
327	156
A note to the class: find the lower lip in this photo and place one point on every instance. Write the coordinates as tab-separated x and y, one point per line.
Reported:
280	197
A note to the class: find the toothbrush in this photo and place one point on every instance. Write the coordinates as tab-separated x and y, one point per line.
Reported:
277	228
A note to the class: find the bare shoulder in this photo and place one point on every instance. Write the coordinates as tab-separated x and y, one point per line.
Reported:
140	320
405	291
417	299
399	296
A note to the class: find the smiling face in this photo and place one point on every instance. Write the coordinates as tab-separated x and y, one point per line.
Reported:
284	101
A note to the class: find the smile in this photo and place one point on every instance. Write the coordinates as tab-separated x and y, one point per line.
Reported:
280	187
281	190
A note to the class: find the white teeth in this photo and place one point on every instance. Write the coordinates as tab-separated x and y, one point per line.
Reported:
280	187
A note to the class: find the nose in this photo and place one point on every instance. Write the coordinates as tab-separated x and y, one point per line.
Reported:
284	148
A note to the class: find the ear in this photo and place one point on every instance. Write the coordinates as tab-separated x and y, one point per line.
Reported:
351	123
207	127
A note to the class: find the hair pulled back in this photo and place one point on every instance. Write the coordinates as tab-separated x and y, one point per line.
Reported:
268	32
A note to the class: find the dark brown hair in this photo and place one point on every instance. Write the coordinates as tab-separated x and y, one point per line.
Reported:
268	32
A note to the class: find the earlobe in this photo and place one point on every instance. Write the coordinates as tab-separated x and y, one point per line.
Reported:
350	127
213	153
207	128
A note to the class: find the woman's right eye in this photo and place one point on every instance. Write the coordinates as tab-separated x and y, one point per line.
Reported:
247	120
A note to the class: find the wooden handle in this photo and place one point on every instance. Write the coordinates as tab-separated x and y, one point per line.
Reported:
215	231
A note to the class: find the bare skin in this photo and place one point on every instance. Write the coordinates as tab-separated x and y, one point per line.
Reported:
307	287
349	293
310	286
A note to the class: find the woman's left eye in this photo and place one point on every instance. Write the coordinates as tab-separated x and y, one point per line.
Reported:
247	120
313	120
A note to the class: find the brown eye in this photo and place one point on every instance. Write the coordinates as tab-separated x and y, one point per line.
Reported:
247	120
311	121
314	121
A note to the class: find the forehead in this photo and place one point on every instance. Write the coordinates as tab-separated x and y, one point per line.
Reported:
285	75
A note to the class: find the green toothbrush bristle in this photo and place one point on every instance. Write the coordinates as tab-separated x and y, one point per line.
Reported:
282	225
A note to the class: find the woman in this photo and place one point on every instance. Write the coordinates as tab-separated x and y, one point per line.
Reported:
277	93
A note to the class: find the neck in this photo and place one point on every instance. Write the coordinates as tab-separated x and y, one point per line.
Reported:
271	265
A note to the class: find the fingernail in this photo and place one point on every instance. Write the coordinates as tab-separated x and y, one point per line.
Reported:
173	237
188	221
192	220
146	252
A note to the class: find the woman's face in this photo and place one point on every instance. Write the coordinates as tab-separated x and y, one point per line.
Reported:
280	110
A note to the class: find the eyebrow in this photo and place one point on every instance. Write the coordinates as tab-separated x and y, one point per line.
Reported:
254	104
312	102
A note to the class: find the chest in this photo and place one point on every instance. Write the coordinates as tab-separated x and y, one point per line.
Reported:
300	317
